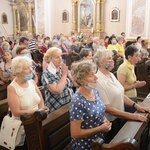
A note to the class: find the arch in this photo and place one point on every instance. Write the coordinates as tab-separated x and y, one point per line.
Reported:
65	16
4	19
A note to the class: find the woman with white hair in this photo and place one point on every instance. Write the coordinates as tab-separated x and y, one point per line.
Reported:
56	80
112	94
23	95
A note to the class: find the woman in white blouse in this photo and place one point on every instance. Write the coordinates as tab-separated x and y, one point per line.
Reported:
111	93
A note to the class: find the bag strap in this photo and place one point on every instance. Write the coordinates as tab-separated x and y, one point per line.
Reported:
9	112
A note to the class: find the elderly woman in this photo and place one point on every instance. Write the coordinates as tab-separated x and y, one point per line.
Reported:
86	110
64	48
23	95
120	46
86	54
23	51
127	77
112	93
5	46
56	80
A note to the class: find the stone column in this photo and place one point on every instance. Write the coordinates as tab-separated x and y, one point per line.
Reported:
98	18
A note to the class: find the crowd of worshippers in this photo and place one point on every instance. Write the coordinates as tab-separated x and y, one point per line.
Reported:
100	102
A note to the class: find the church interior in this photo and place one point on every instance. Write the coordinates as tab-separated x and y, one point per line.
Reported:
74	74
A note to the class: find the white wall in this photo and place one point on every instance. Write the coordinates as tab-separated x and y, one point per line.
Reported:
53	17
6	29
115	27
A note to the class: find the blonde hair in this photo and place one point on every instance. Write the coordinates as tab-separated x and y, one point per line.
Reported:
19	62
100	55
5	44
50	54
81	69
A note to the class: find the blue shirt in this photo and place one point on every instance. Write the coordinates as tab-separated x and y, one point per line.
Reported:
92	115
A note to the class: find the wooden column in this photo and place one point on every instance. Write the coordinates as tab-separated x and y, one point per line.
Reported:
74	19
30	18
102	15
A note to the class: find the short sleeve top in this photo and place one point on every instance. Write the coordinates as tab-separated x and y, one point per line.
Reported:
92	115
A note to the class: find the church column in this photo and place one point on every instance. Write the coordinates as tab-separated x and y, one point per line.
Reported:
30	17
98	16
102	15
74	23
14	23
18	21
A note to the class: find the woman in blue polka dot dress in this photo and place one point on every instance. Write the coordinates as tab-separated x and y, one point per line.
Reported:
87	120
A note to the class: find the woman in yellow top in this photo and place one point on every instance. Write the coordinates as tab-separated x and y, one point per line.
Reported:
127	77
119	46
112	43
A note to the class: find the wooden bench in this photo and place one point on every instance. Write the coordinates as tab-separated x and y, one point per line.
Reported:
142	74
128	136
52	133
3	91
3	109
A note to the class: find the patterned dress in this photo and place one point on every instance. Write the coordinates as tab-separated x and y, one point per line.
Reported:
55	101
91	114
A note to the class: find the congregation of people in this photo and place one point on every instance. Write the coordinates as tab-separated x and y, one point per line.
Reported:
76	69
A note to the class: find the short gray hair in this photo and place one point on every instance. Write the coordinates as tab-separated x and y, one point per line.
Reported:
119	37
100	55
19	62
81	69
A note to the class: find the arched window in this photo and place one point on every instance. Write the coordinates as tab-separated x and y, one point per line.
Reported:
4	18
65	16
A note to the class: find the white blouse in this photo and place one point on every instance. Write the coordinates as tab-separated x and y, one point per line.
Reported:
110	92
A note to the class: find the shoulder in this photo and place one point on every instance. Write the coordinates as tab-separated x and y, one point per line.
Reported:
10	88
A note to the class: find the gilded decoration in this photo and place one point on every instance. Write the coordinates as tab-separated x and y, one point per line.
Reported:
87	16
23	14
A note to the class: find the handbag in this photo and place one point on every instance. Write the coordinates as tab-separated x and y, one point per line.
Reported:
12	133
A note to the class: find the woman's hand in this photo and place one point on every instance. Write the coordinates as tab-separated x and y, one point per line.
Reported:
139	117
142	109
64	69
106	126
139	84
46	109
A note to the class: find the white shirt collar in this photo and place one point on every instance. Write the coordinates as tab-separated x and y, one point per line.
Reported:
52	68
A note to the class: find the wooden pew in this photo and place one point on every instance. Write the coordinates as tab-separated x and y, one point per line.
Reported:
52	133
3	91
142	74
3	109
129	134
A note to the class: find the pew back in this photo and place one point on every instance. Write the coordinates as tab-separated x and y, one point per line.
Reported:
53	133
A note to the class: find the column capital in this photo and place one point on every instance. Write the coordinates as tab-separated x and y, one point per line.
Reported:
98	1
102	1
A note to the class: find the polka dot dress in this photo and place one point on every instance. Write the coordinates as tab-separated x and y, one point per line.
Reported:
91	114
